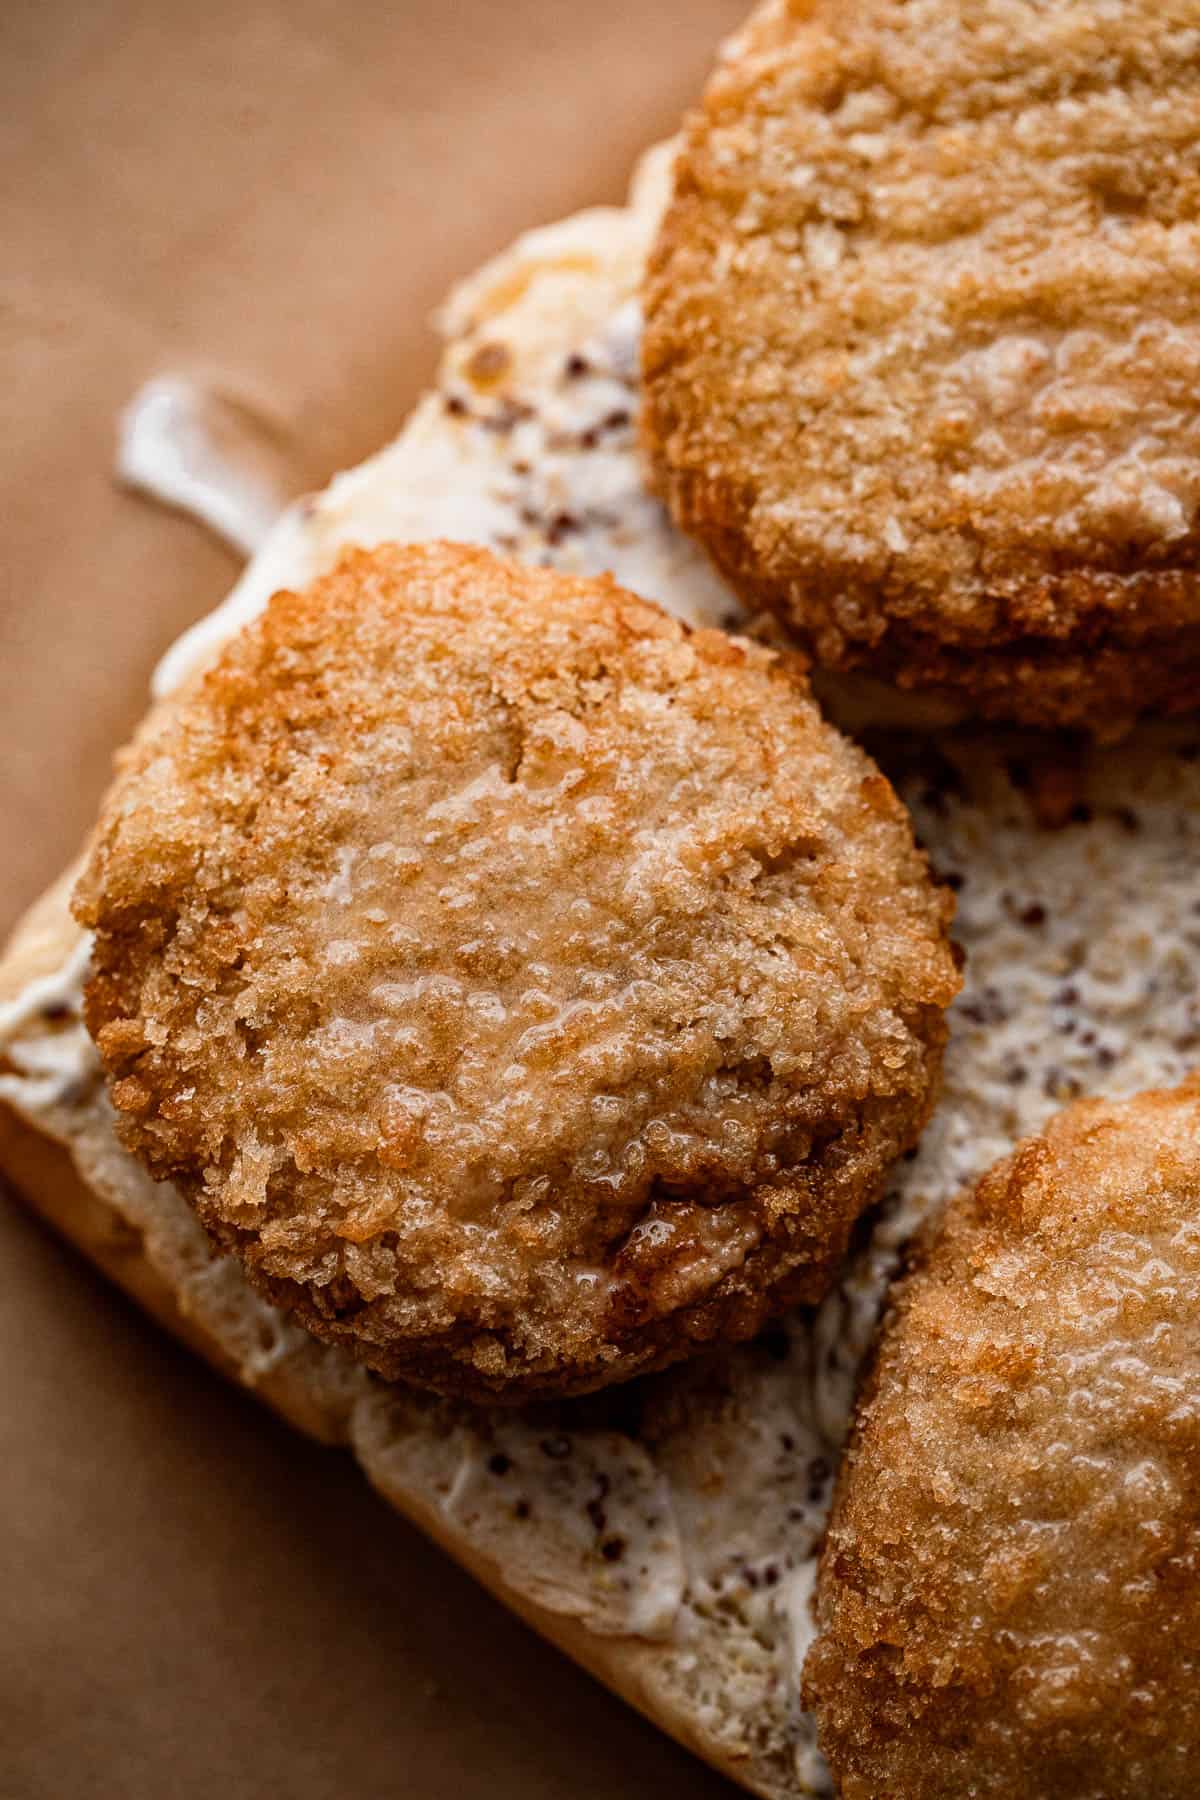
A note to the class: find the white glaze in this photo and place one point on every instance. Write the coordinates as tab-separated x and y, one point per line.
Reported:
189	446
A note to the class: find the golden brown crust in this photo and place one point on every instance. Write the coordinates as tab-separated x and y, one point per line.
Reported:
634	1669
923	346
1011	1579
528	989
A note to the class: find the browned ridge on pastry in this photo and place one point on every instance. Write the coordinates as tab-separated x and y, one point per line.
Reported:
529	990
922	353
1009	1598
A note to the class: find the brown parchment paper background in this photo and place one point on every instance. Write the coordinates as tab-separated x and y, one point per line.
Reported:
193	1601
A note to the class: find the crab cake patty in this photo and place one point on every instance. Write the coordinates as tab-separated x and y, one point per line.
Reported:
922	358
529	990
1009	1597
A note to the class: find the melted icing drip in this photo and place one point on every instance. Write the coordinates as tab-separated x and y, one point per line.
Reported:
203	453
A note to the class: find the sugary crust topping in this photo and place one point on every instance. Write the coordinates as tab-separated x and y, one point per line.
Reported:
1082	946
923	344
1010	1580
528	988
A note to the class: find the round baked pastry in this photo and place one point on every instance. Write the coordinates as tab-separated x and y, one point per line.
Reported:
529	990
1009	1597
922	351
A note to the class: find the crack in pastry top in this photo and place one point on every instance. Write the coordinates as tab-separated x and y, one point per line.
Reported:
1083	945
